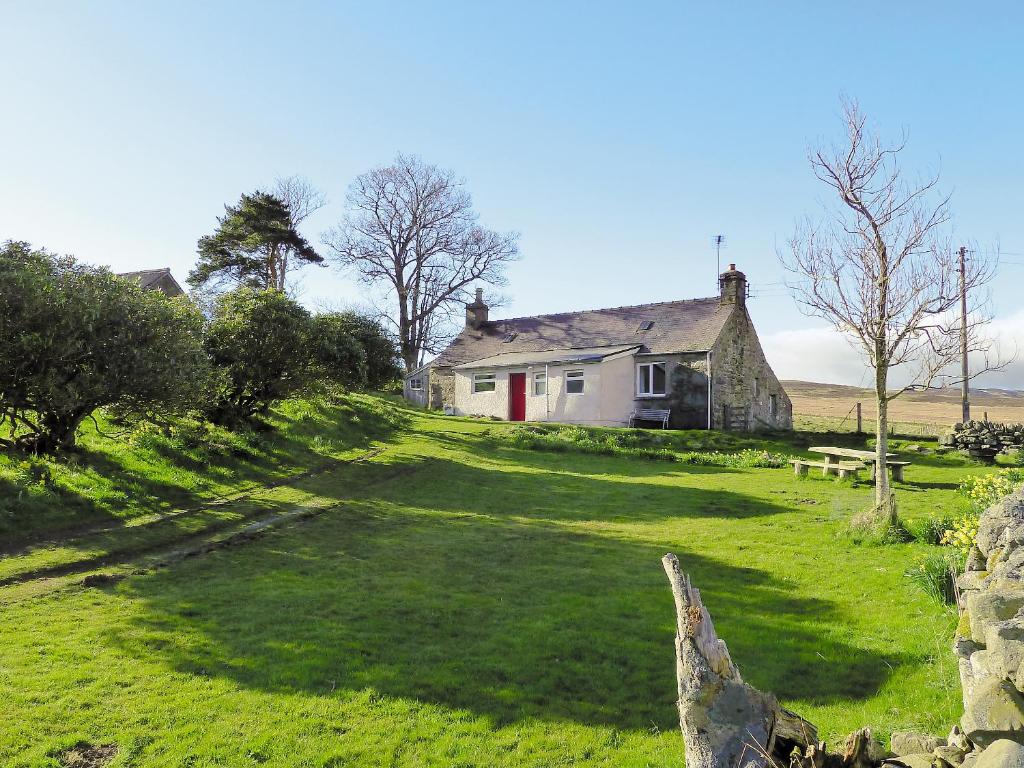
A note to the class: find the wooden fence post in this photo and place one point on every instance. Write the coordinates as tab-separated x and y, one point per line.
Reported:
860	423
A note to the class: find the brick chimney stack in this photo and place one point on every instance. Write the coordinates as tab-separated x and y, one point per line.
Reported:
476	313
733	286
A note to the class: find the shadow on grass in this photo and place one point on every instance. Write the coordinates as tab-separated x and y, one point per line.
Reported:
107	481
436	594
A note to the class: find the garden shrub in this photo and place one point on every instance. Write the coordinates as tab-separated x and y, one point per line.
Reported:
74	338
376	367
259	344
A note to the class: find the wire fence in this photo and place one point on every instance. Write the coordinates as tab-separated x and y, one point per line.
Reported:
848	424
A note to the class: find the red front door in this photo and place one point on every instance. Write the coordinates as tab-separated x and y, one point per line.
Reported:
517	397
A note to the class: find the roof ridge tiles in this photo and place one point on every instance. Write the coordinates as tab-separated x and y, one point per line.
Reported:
603	309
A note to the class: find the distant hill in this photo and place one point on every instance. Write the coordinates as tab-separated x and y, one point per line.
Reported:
935	407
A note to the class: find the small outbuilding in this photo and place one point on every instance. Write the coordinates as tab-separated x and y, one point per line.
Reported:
698	359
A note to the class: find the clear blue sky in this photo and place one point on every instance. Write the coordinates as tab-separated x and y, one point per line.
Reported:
617	138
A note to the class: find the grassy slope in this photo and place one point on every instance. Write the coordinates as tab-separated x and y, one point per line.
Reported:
462	603
116	476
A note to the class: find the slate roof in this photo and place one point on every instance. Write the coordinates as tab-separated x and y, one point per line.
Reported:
586	355
148	278
692	325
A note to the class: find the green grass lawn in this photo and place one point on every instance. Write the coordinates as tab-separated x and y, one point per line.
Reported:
452	602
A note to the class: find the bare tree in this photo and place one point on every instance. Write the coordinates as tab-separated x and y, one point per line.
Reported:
303	200
411	229
881	269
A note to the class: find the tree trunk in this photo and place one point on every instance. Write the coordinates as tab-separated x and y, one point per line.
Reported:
56	433
725	722
881	433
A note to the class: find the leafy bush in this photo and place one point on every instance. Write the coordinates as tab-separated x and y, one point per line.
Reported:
934	573
259	343
75	338
380	352
338	354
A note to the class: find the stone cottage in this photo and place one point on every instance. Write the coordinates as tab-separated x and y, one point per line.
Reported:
700	359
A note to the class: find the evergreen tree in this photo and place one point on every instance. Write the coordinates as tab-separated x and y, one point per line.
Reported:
256	245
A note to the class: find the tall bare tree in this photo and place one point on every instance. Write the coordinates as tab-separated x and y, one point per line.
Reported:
410	228
303	199
881	269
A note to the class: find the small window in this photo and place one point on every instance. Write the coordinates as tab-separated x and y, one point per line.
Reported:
540	383
574	382
651	379
646	325
416	384
484	382
757	387
508	337
773	405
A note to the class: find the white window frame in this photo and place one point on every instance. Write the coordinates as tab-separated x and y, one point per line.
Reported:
576	374
650	378
542	379
485	378
416	384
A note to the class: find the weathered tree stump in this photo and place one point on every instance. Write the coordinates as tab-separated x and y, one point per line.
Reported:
726	723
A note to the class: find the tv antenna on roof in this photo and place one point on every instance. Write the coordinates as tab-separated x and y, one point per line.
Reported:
719	241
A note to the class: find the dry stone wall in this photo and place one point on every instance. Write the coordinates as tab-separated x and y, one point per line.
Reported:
989	645
990	637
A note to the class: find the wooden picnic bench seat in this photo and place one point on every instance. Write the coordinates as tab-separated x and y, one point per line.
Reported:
650	414
895	468
843	468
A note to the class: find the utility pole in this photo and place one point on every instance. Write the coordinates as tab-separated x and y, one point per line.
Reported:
964	370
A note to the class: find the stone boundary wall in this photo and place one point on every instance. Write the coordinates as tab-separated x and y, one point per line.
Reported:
989	646
989	643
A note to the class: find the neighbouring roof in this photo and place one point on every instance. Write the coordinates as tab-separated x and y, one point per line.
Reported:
691	325
150	278
588	355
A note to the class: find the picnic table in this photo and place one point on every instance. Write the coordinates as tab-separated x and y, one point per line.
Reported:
835	456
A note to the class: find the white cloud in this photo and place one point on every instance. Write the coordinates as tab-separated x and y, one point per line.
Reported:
815	354
825	355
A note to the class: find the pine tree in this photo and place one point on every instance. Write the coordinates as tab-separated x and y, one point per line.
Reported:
256	245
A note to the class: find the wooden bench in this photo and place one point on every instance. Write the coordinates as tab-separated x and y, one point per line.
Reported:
650	414
895	468
843	468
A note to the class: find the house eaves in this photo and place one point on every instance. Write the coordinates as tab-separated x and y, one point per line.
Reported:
549	357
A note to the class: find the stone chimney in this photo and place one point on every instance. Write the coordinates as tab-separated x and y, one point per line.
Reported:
732	286
476	313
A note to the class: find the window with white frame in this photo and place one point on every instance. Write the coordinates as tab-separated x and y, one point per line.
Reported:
484	382
540	383
651	379
574	382
416	384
